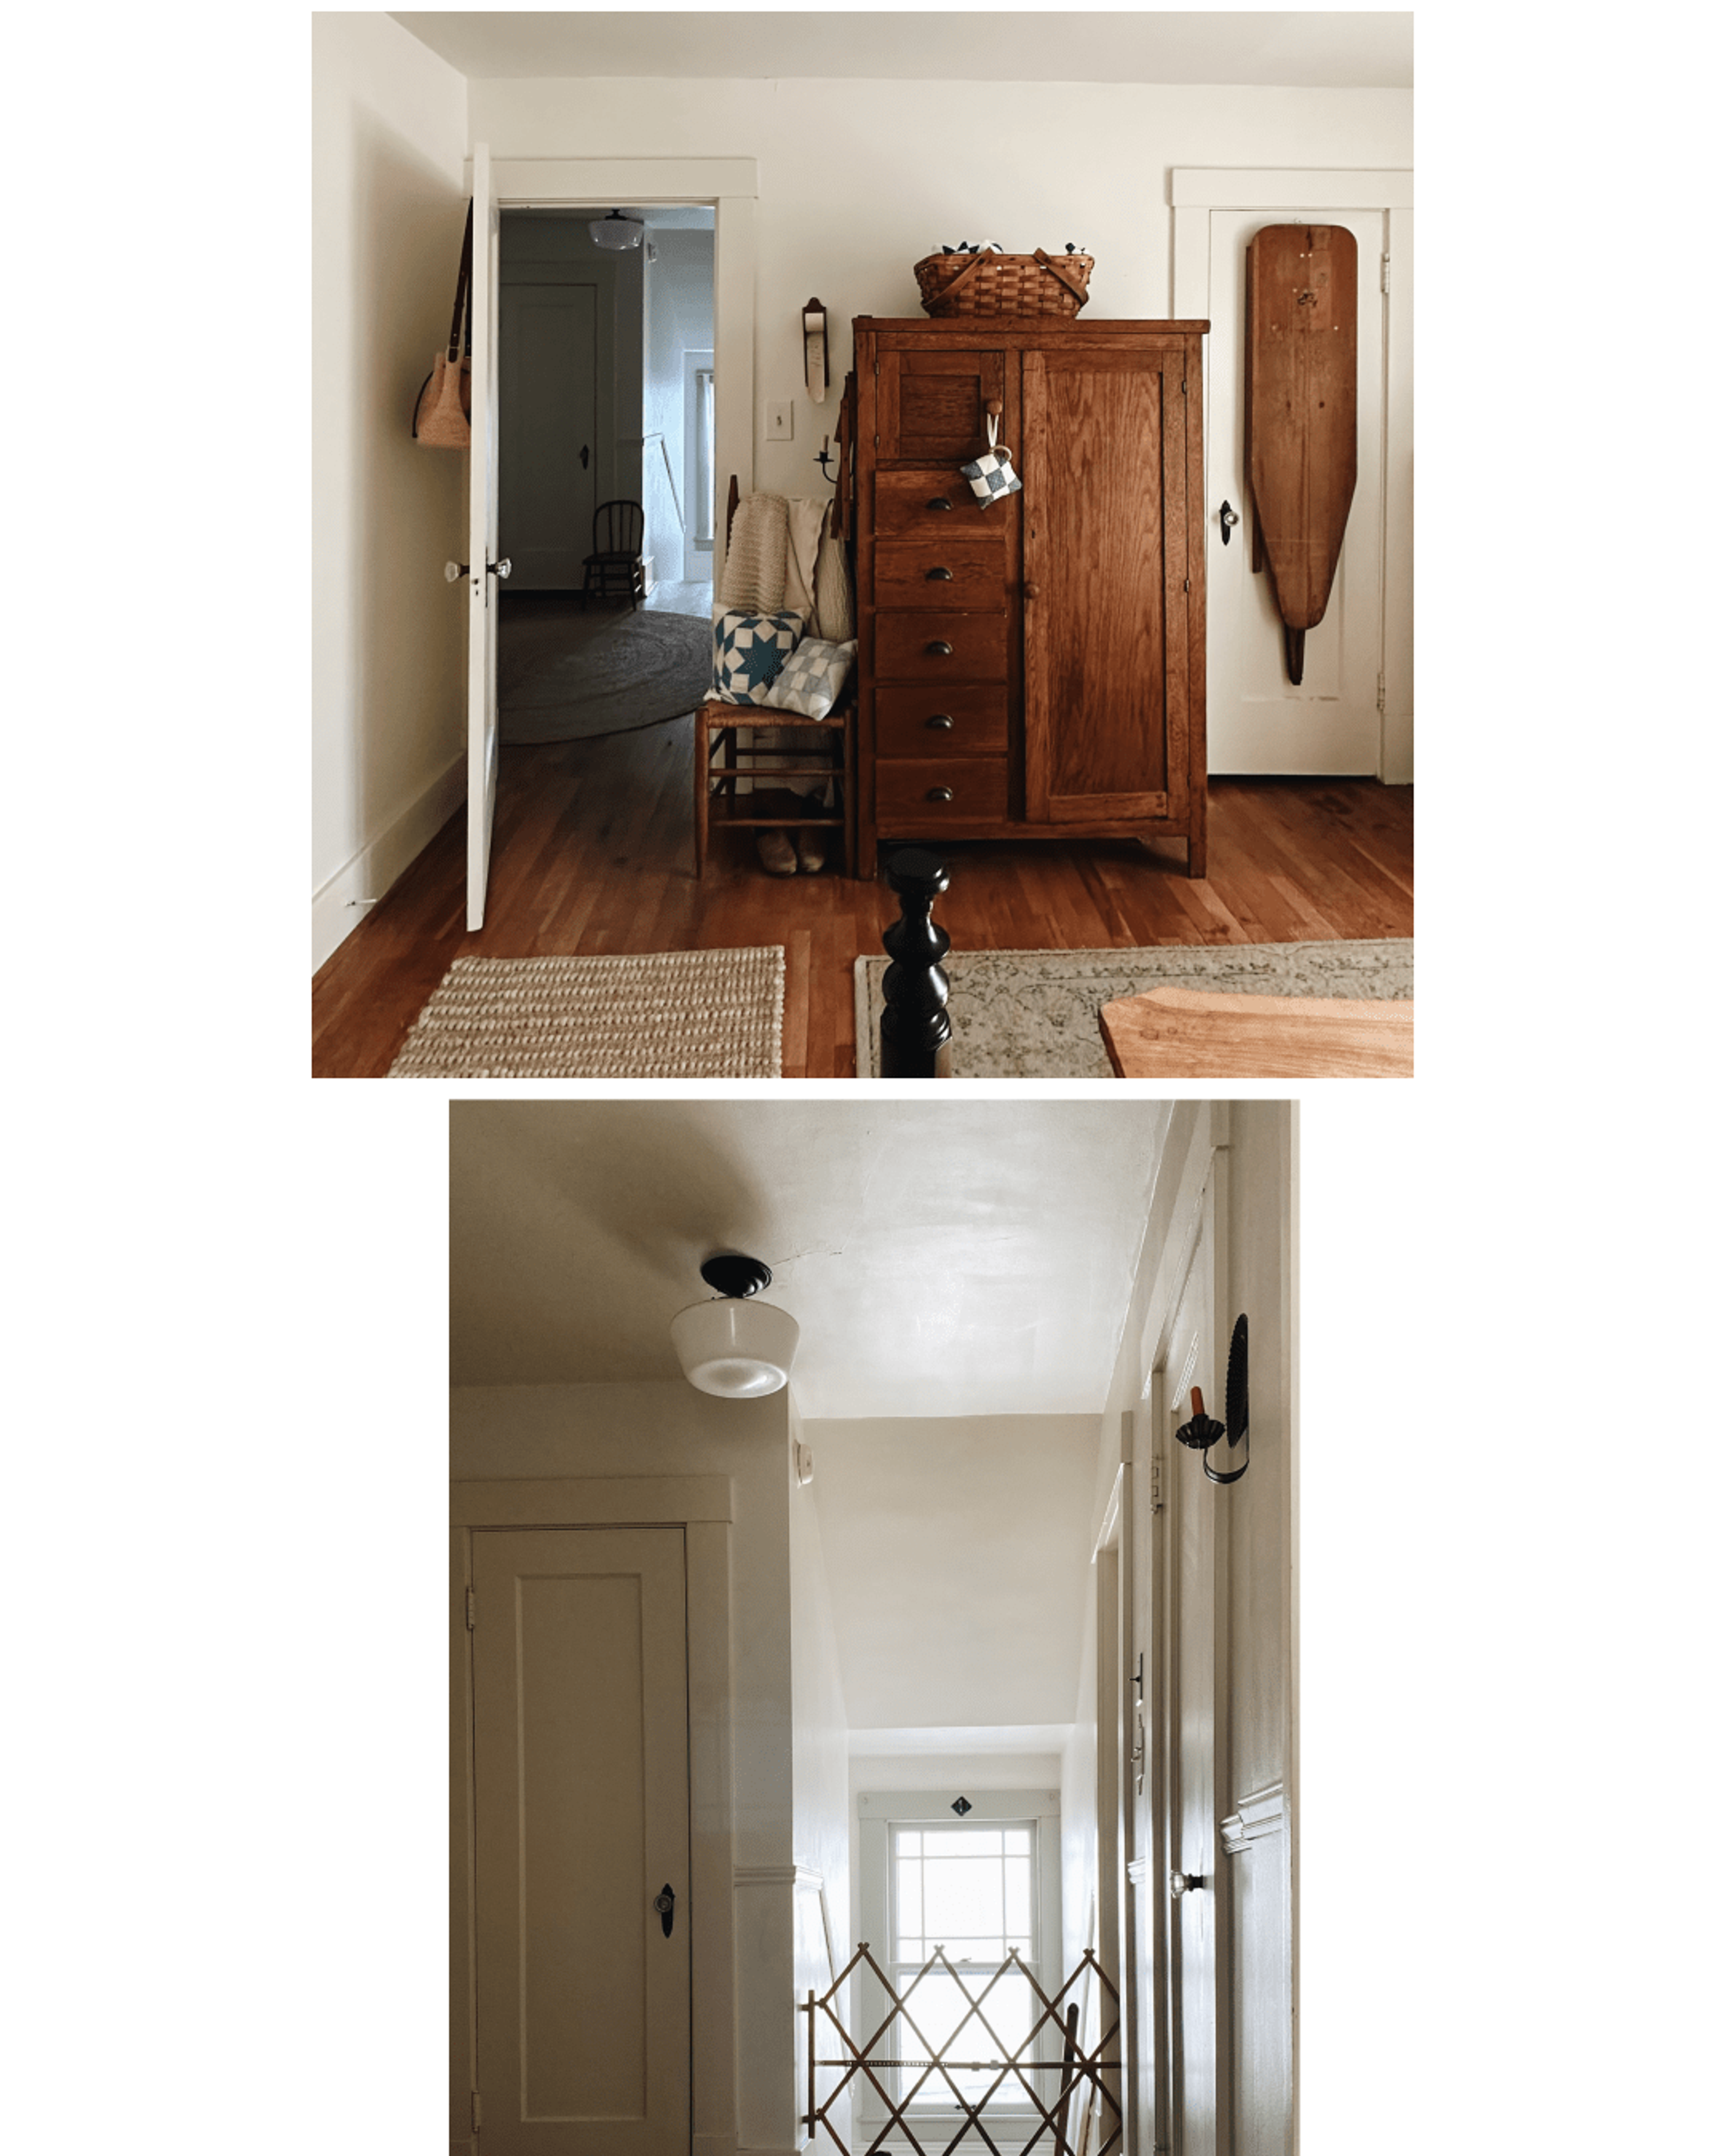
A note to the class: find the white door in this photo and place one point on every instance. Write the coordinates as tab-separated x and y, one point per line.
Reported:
581	1828
482	567
1258	721
548	374
1194	1646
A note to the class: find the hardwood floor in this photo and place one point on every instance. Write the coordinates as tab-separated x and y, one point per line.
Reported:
594	852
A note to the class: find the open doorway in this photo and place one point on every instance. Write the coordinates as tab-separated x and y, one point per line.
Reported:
605	463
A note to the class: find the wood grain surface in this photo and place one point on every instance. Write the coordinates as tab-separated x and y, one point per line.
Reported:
1193	1033
595	853
1302	340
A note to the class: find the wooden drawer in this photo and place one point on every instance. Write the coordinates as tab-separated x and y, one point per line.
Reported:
912	501
910	793
940	647
930	571
908	722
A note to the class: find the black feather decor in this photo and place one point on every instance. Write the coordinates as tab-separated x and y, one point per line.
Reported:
1238	1419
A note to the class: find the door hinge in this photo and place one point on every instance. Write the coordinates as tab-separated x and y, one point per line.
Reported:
877	441
1380	695
1182	385
478	2112
1383	281
1187	585
472	1602
1155	1484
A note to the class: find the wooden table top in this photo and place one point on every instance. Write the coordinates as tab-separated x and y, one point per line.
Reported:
1192	1033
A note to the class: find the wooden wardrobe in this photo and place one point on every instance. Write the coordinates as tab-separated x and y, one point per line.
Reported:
1035	667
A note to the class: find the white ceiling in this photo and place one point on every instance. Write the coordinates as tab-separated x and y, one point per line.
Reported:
1336	51
942	1257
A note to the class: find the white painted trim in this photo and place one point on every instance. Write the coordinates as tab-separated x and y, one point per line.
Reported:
601	1501
1256	1817
1202	187
551	182
731	185
1108	1534
340	903
775	1875
901	1806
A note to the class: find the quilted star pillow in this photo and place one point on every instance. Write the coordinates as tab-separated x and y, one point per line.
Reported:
811	679
748	651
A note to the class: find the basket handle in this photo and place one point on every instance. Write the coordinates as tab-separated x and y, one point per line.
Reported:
952	285
1065	275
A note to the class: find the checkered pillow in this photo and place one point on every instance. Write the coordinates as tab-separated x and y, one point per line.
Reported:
811	678
992	475
748	650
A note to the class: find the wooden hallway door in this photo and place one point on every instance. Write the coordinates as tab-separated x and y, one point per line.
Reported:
581	1842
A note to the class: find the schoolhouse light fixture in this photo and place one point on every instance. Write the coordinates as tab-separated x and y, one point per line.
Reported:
734	1346
617	233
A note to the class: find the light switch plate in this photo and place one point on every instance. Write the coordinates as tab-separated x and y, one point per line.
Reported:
779	422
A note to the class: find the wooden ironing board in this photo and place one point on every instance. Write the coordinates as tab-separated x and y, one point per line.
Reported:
1302	283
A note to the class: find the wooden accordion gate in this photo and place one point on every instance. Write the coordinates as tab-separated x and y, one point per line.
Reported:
1092	2127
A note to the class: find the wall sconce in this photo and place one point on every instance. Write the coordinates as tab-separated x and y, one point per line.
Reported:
737	1348
1203	1431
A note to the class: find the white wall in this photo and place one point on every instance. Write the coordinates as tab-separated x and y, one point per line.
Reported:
680	320
390	133
859	179
636	1430
957	1555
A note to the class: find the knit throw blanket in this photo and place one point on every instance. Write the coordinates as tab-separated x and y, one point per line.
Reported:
770	563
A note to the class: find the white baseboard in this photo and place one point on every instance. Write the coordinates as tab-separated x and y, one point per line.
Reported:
341	904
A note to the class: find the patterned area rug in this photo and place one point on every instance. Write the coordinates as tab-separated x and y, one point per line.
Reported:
666	1014
1033	1013
570	677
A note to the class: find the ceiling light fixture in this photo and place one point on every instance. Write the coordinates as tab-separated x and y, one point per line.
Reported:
617	233
740	1349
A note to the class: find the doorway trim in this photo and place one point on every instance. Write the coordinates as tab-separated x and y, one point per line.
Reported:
701	1506
732	186
1193	192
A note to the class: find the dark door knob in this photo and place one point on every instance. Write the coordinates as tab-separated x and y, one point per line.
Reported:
938	577
1229	518
940	793
939	649
665	1903
939	501
1031	591
938	722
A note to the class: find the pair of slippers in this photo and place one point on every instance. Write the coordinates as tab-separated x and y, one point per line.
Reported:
783	852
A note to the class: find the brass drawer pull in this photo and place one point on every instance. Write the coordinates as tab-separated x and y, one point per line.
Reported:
939	501
940	793
938	577
939	721
939	648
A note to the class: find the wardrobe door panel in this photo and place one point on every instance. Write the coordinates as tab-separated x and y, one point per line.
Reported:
1105	567
932	404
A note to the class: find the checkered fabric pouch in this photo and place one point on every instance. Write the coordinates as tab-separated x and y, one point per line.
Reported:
992	474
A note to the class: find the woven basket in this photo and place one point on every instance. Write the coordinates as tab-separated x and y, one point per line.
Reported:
1036	284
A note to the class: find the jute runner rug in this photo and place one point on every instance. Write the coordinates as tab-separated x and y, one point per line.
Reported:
1034	1014
664	1014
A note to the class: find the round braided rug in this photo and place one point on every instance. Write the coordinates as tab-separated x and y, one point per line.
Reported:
578	677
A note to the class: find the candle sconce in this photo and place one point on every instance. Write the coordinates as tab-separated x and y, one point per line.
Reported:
1203	1432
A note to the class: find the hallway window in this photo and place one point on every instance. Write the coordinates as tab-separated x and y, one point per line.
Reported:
979	1886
